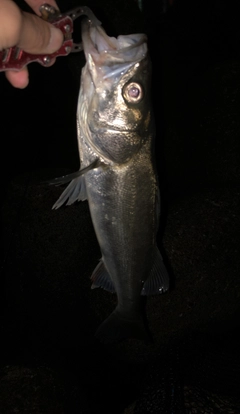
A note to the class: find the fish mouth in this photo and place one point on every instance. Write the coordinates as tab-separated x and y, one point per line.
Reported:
111	55
99	127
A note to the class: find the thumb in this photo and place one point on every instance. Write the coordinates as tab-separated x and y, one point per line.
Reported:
38	36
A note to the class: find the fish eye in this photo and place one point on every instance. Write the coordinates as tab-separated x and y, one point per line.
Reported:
133	92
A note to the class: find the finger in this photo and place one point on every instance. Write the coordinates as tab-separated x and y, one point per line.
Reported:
18	79
35	4
38	36
10	24
26	30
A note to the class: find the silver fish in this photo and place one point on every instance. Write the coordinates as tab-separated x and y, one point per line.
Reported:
115	137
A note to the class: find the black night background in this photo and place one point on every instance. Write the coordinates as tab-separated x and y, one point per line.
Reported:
50	362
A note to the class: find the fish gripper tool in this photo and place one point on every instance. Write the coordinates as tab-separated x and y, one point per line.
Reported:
15	58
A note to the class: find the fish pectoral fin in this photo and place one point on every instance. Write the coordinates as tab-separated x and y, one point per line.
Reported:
158	280
75	191
66	178
101	278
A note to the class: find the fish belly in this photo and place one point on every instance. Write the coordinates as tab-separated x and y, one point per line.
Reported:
122	202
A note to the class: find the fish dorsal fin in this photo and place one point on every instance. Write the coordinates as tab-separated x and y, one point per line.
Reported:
158	280
75	191
101	278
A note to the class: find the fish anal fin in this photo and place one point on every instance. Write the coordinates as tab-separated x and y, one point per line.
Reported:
158	280
101	278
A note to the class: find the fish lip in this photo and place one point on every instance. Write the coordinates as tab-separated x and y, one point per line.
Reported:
98	127
98	124
114	131
121	131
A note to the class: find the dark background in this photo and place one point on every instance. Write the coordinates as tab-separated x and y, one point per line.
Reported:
50	361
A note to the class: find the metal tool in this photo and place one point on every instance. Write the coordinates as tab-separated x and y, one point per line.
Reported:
15	58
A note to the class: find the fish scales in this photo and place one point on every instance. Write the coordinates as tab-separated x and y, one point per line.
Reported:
116	137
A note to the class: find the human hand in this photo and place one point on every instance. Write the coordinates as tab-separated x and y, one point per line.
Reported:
28	32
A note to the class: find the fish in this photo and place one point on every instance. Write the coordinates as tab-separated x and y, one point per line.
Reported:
116	134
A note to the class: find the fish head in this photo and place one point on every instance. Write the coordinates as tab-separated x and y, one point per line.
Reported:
115	104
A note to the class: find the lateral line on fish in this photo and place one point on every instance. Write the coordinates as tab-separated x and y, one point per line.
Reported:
66	178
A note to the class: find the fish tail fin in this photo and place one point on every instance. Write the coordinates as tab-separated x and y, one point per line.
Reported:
117	328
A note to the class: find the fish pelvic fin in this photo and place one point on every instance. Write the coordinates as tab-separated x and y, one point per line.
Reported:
158	280
117	328
101	278
75	191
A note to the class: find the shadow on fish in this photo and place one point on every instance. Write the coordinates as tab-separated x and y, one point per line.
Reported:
118	177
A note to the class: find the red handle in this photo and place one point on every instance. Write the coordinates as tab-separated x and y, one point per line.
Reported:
15	58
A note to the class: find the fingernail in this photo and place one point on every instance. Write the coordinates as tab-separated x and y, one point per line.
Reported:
56	40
